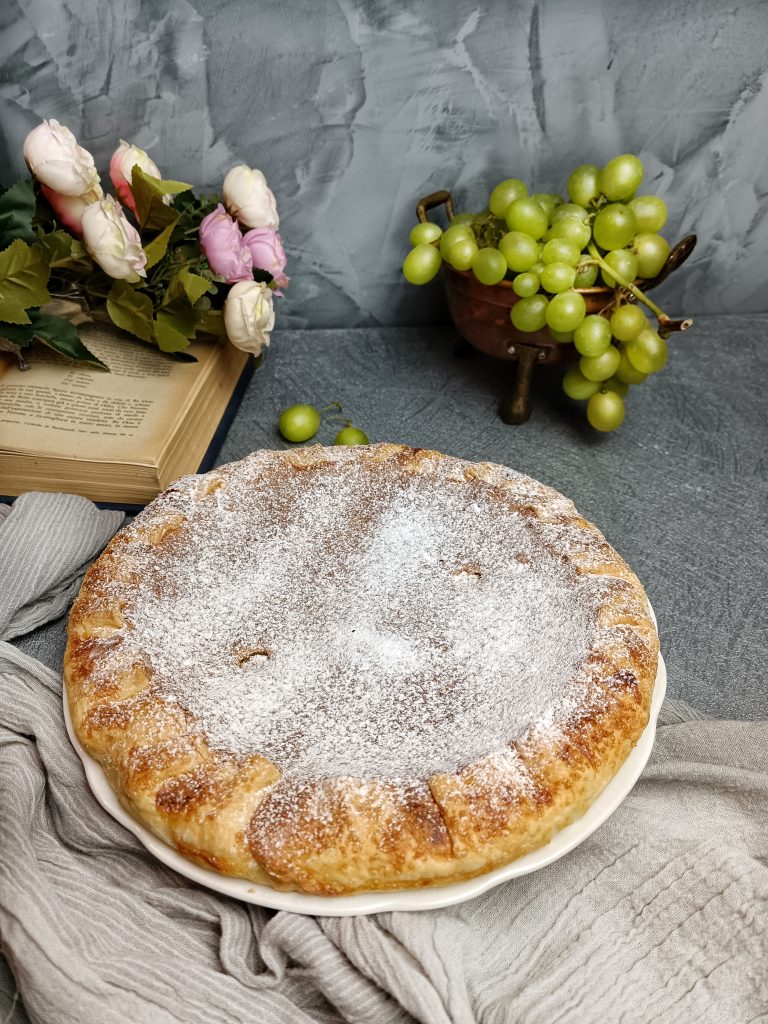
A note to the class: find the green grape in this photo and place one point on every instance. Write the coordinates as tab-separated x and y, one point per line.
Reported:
537	268
582	184
461	253
489	266
546	202
562	337
570	210
453	234
557	277
593	335
650	213
620	178
627	372
586	278
572	230
566	311
506	192
623	262
529	315
605	411
526	285
576	385
527	216
619	386
351	435
423	234
421	264
519	250
558	250
614	226
463	218
601	367
651	251
648	352
627	322
299	422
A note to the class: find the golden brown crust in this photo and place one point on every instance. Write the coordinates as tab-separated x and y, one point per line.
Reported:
233	813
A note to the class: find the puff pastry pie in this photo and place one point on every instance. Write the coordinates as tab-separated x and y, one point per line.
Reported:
359	668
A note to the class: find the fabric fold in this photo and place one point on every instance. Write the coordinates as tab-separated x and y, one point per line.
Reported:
661	914
47	542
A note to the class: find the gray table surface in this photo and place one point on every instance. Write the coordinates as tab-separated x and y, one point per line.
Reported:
680	490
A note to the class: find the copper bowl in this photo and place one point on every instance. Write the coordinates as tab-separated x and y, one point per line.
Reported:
480	314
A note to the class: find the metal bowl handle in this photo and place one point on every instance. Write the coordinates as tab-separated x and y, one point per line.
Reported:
676	258
431	201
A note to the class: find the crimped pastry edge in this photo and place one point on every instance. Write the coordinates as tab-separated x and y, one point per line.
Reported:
211	806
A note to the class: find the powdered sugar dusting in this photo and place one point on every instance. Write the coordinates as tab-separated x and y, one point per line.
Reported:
354	619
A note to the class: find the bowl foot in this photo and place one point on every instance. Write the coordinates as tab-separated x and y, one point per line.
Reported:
516	408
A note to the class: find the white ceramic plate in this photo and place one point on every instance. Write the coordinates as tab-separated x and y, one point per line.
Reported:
408	899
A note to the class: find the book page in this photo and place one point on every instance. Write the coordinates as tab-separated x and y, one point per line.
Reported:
71	410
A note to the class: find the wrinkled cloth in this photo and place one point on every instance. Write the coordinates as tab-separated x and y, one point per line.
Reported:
661	915
47	541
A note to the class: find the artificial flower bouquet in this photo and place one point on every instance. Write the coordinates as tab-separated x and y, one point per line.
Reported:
158	261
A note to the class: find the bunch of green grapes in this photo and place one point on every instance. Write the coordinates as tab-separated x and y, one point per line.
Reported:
551	249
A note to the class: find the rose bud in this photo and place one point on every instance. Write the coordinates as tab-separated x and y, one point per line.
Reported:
56	160
124	159
267	253
224	248
113	241
69	209
249	316
247	197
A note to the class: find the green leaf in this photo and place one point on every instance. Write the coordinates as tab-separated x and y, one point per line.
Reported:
55	332
212	322
158	247
168	338
194	285
148	193
131	310
176	306
20	334
59	247
17	208
23	279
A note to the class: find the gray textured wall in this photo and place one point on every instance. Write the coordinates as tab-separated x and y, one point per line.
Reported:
355	108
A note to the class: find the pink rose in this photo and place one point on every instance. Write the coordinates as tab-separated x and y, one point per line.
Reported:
69	209
124	159
267	253
224	248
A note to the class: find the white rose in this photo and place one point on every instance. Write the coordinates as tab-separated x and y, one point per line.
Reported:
247	197
112	241
56	160
249	316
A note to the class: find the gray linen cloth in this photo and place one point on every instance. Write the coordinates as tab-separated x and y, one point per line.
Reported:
662	915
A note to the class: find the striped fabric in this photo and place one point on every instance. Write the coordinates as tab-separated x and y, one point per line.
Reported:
47	542
662	915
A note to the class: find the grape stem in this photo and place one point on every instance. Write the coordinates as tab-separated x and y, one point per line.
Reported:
665	322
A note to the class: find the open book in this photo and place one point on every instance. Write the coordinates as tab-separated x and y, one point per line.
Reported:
118	437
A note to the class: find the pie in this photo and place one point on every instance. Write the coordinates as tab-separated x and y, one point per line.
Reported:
359	668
